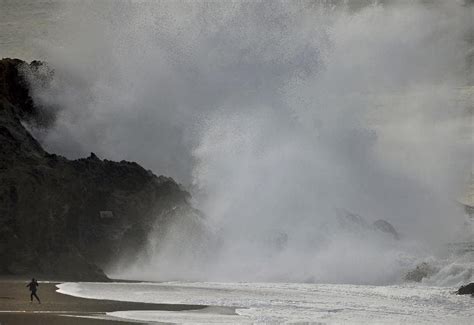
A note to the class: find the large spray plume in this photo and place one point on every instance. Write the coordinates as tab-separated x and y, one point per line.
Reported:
285	119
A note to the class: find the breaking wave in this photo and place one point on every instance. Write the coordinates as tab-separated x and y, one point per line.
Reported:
284	119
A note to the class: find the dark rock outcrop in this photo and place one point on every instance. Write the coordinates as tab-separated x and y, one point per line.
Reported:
386	227
68	218
14	89
421	271
468	289
355	223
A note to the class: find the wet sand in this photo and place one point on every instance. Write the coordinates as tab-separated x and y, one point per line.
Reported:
56	308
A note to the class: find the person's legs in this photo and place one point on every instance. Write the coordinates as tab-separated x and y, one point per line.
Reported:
34	294
31	296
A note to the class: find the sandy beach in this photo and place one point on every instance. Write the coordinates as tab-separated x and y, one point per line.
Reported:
56	308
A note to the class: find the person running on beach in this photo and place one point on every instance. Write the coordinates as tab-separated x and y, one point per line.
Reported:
33	285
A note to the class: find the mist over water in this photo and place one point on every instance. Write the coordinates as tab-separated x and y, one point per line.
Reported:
282	118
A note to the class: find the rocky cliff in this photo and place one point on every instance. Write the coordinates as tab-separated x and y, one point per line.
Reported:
68	218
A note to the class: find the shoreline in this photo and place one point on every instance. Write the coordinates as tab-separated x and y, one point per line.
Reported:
57	308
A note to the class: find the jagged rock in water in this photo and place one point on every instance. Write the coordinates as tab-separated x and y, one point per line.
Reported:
351	221
467	289
68	218
386	227
421	271
354	222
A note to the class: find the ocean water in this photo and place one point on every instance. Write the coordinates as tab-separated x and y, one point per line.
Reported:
288	303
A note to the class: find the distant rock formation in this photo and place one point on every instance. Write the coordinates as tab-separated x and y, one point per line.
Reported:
68	218
423	270
468	289
354	222
386	227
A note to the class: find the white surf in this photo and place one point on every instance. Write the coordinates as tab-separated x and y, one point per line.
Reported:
287	303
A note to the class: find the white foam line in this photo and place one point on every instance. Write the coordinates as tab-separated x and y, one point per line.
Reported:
104	316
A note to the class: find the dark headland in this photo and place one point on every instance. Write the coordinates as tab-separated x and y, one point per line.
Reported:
64	219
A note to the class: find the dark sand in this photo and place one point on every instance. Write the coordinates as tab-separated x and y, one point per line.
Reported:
56	308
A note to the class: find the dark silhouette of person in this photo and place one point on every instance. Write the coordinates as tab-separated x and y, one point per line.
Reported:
33	285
